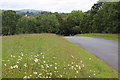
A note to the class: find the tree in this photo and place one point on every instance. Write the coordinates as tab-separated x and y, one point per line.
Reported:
26	25
48	23
76	30
86	23
73	19
102	18
9	20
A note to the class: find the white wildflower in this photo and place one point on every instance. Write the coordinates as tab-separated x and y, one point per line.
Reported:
44	61
25	77
36	60
25	65
79	67
89	58
76	65
83	65
43	57
19	59
5	65
81	61
40	74
16	66
22	54
94	74
47	66
89	76
11	67
11	55
34	72
41	53
50	74
76	71
42	66
47	73
55	67
30	75
50	65
47	77
17	62
72	56
72	62
60	75
72	67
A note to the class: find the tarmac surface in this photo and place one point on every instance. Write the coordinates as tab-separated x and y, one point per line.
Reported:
106	50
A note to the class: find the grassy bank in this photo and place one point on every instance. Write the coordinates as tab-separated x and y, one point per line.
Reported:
102	36
49	56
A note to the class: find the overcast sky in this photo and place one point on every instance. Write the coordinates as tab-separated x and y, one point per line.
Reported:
48	5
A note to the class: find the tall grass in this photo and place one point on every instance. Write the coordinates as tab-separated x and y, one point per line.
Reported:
49	56
102	36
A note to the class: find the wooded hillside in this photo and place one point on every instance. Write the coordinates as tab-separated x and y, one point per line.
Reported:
102	18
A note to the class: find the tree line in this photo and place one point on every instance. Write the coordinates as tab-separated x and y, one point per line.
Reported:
102	18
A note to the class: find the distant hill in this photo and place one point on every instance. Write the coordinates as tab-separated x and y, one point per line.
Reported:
1	10
26	10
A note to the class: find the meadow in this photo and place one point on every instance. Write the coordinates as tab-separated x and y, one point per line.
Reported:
49	56
102	36
0	57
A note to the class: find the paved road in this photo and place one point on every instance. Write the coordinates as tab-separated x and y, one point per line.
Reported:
106	50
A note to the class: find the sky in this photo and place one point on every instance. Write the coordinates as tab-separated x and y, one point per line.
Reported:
48	5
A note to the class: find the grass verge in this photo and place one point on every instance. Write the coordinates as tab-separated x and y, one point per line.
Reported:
102	36
49	56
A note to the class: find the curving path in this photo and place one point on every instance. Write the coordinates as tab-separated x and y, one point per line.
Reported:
106	50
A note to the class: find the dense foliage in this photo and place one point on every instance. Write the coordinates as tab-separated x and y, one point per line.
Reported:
102	18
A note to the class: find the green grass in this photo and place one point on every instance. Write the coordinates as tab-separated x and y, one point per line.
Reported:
0	57
49	56
102	36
